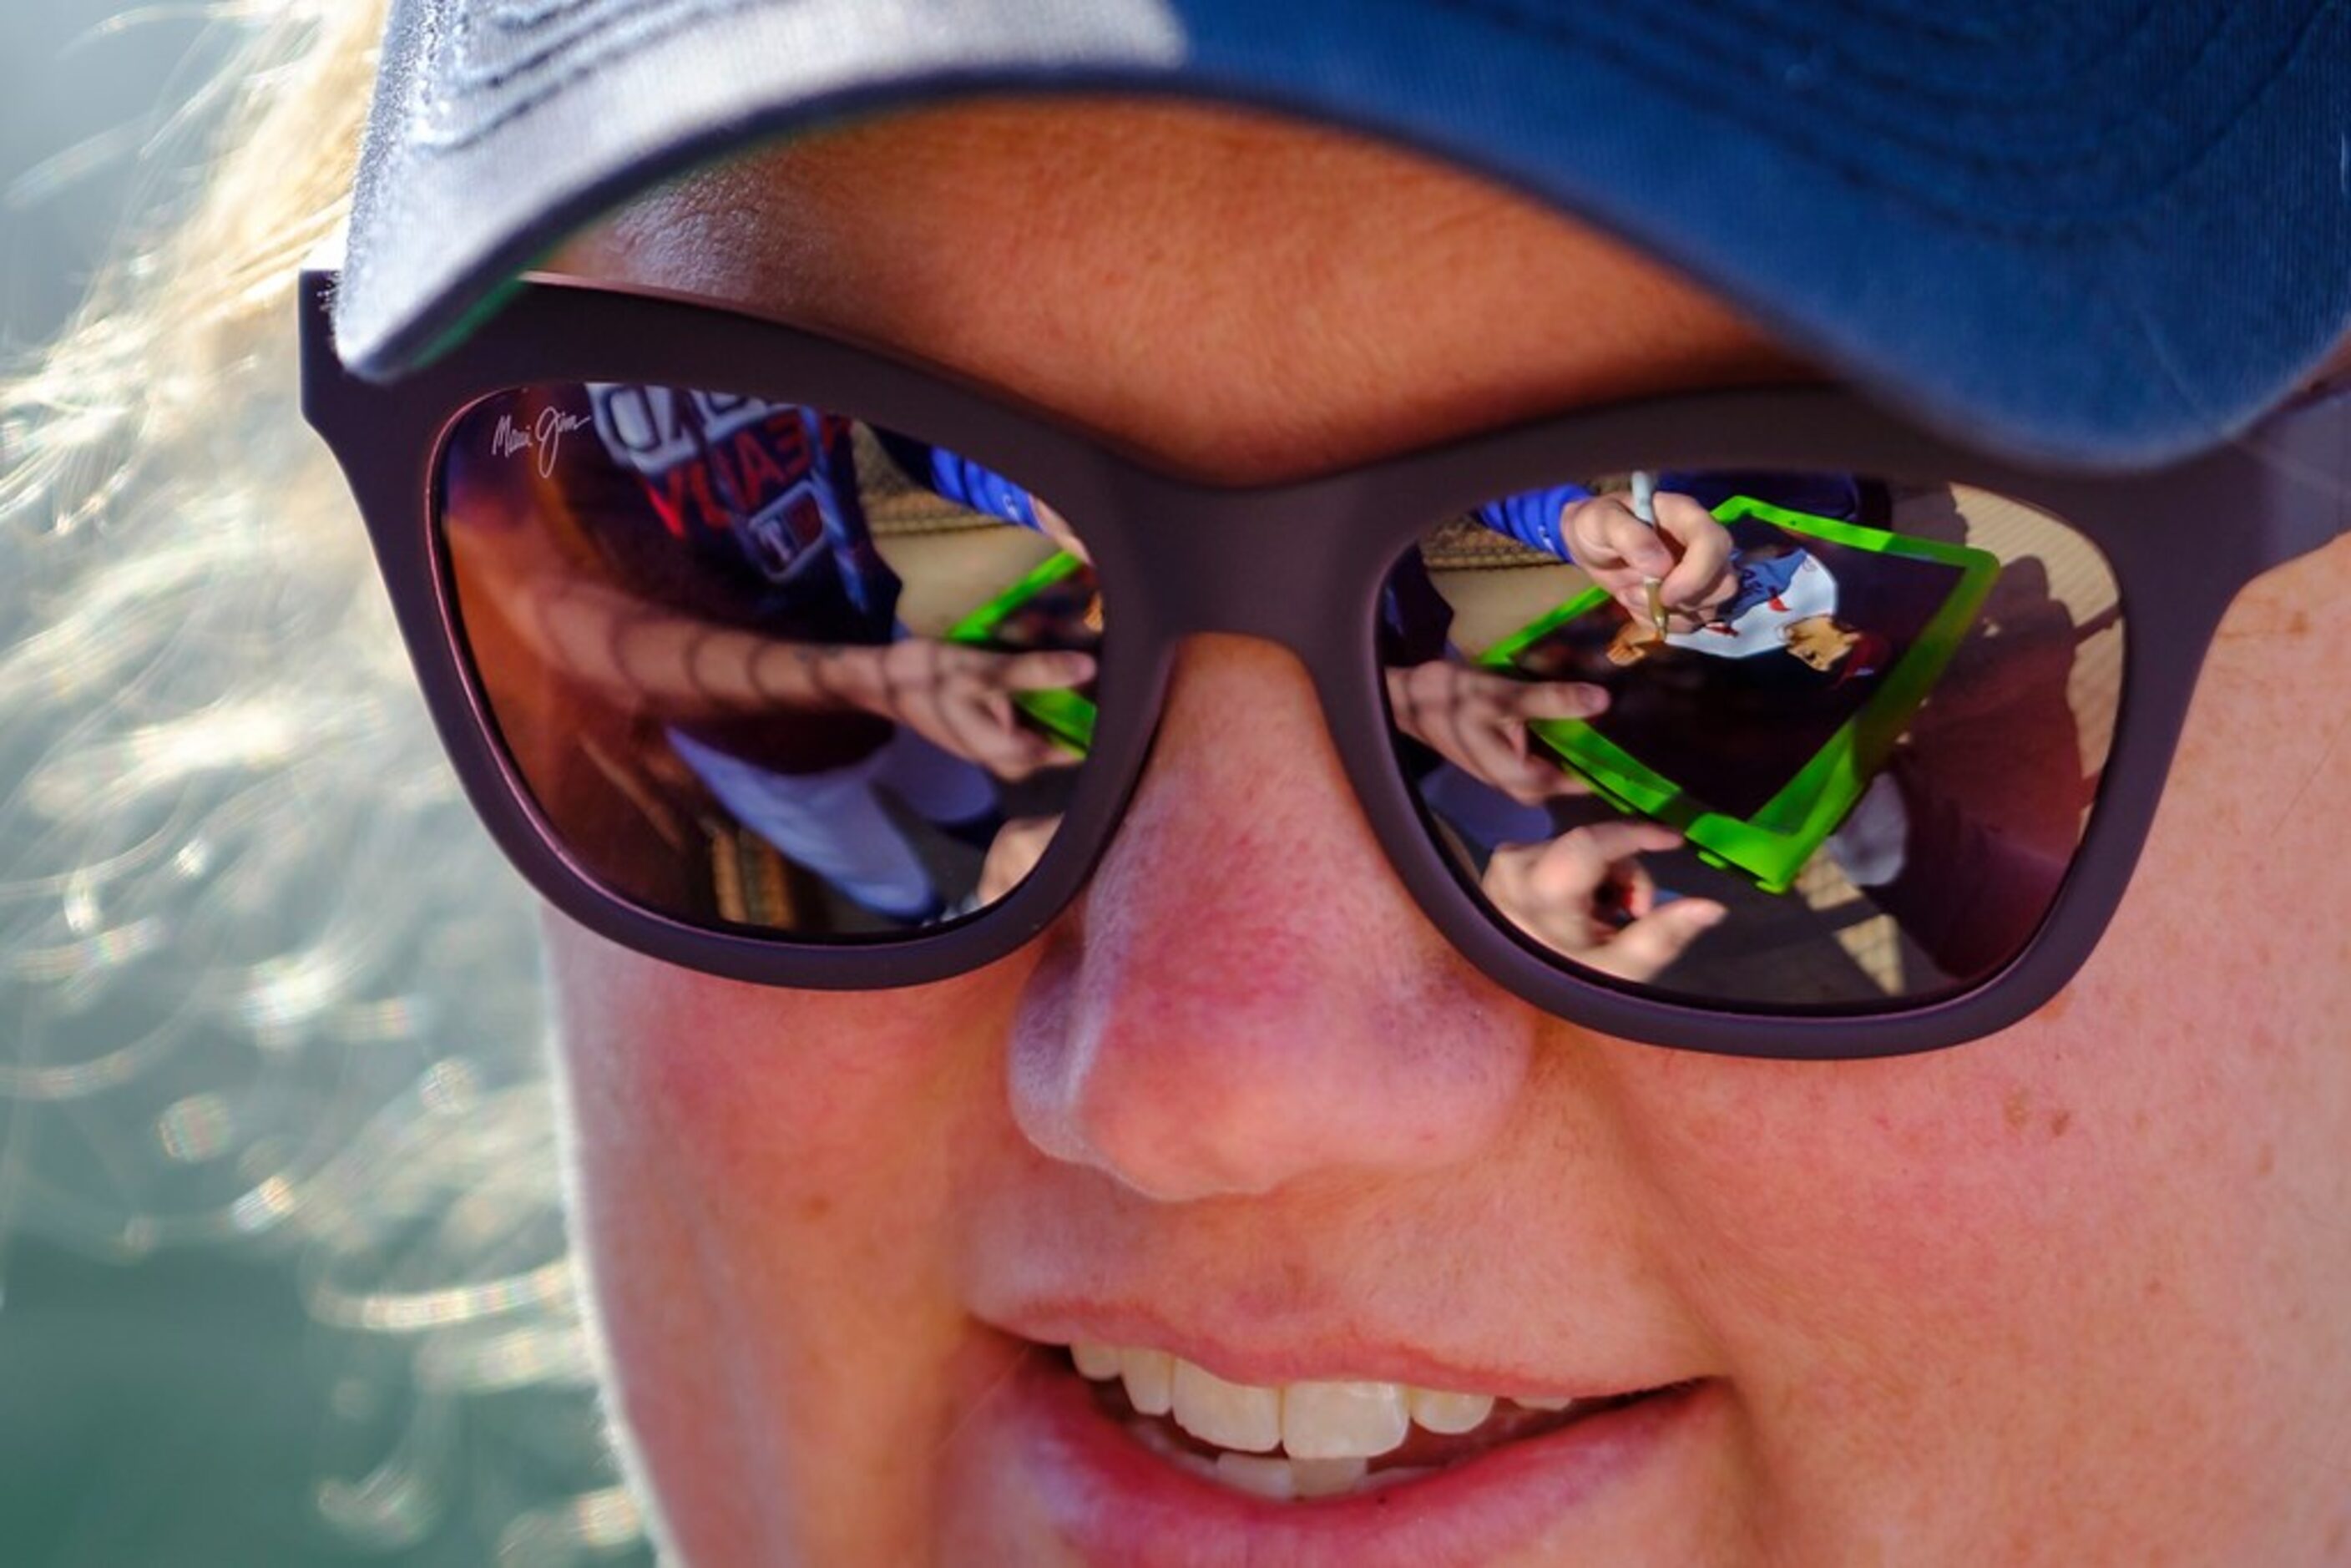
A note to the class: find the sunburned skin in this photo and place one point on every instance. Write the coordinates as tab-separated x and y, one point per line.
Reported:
2071	1294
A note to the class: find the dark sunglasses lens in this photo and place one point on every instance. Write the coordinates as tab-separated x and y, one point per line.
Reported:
761	665
1835	748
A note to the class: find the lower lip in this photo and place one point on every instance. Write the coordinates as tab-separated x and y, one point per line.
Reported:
1118	1505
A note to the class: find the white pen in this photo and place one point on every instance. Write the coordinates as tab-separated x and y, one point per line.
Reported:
1645	506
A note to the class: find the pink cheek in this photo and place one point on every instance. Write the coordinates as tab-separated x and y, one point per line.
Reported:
1912	1198
758	1091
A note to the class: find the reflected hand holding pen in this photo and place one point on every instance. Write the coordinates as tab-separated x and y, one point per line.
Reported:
1684	557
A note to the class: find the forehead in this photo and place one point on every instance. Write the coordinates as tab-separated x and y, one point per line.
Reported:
1248	298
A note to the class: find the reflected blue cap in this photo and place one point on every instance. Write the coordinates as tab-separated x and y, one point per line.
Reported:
2100	232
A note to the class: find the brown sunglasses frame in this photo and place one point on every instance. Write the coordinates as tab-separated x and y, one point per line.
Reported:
1302	565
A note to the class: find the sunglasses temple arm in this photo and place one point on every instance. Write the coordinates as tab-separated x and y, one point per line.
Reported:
2303	456
322	368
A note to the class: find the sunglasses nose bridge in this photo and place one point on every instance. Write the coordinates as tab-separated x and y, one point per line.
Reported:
1285	567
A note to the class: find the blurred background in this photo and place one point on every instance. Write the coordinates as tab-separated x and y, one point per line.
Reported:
77	98
280	1281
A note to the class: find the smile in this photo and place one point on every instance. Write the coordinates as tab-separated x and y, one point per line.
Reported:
1309	1439
1311	1469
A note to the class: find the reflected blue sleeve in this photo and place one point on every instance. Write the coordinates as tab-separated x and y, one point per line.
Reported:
966	484
1531	517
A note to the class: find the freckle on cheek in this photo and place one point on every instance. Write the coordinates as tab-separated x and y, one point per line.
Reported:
2016	1109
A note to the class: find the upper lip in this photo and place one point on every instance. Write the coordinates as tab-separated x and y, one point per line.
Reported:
1270	1354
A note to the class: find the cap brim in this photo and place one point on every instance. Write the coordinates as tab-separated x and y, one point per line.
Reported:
2110	236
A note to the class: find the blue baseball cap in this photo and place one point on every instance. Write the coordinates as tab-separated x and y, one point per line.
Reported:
2101	233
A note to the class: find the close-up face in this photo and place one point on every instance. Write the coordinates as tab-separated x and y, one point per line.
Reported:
2069	1294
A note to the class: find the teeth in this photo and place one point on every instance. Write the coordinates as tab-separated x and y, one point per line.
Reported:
1318	1425
1265	1476
1342	1420
1283	1479
1451	1414
1150	1377
1099	1362
1327	1478
1229	1414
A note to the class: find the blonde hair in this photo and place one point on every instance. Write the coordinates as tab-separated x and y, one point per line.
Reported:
263	985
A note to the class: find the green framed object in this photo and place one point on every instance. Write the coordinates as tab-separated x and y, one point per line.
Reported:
1773	842
1066	715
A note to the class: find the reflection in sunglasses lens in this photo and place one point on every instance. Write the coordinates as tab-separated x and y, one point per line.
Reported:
1747	739
1757	739
759	664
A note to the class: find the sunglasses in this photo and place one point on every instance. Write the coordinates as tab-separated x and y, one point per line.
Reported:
1758	722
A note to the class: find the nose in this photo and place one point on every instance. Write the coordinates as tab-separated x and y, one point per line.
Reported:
1247	997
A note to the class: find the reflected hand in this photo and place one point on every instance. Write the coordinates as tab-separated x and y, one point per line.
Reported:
1570	893
960	698
1476	720
1056	528
1014	853
1687	553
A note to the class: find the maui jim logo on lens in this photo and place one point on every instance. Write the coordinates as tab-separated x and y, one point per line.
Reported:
545	437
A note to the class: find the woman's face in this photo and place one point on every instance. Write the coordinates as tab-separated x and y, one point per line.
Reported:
2073	1294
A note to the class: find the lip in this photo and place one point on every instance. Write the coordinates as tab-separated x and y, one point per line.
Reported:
1116	1505
1270	1362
